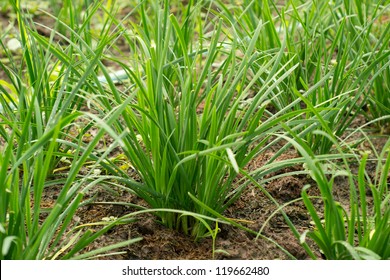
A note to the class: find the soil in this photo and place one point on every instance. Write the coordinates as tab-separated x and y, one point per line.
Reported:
252	210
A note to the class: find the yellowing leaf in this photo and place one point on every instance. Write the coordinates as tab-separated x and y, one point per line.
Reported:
12	91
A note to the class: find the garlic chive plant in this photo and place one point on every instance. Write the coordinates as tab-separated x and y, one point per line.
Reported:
205	88
195	120
343	44
39	108
360	230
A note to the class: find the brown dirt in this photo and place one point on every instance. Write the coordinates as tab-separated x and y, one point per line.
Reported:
252	210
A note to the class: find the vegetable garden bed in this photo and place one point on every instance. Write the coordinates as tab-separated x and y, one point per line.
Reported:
195	130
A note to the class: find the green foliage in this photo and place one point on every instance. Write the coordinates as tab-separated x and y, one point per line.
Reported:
331	41
191	126
40	104
207	86
358	231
